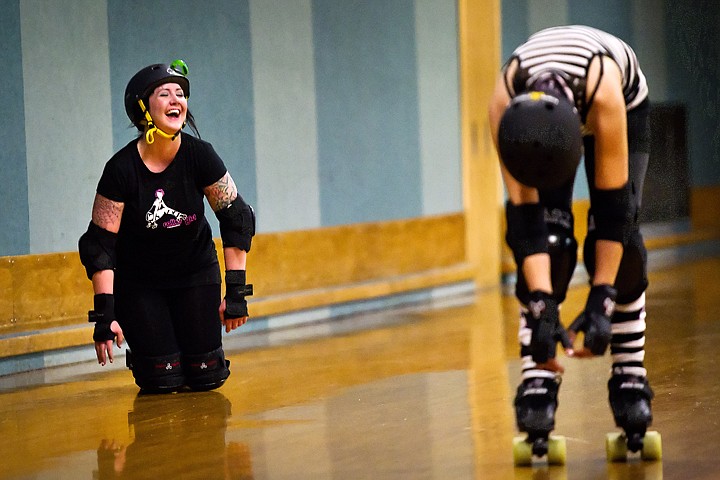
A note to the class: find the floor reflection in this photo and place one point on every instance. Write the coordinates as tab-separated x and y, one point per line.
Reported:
167	429
425	395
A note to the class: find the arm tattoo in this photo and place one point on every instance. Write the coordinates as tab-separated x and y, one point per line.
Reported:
221	193
107	214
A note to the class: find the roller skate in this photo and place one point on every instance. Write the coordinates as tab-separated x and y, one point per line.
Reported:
535	405
630	398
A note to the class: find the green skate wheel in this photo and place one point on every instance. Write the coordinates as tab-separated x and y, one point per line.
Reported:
616	447
557	450
522	452
652	447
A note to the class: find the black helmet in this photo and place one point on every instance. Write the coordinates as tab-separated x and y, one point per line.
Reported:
539	139
142	84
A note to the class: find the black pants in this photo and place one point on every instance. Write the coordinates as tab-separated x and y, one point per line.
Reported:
159	322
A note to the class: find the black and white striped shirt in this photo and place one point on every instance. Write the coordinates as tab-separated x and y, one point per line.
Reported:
569	50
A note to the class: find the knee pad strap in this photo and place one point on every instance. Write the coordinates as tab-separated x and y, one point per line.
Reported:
206	371
161	374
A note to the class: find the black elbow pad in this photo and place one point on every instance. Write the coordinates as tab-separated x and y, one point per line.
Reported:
612	215
237	224
97	249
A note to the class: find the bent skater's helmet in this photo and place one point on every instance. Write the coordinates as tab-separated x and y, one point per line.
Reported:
144	82
540	139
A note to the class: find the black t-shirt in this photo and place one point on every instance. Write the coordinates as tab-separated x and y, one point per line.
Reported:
164	239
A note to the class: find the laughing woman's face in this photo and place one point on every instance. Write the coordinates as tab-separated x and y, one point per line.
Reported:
168	107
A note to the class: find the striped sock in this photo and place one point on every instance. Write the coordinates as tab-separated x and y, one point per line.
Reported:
529	367
627	346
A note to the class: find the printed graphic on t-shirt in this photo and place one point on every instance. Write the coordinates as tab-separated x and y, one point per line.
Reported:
159	209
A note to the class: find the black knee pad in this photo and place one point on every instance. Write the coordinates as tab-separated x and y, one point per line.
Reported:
206	371
162	374
562	248
631	280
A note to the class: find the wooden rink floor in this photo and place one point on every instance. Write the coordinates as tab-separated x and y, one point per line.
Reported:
410	393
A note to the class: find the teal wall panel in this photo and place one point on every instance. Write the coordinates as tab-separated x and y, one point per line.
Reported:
613	16
67	115
693	40
514	16
648	17
367	108
14	216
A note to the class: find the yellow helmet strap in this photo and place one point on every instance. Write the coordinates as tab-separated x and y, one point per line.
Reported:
152	128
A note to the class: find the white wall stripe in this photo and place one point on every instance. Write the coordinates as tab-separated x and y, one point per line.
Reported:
285	115
438	106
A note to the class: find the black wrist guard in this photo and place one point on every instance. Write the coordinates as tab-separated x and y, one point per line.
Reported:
595	320
103	315
543	319
235	293
613	215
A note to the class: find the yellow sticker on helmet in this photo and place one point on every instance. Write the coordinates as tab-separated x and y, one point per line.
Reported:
536	95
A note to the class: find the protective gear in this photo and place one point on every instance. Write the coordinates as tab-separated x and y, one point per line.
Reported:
161	374
594	321
539	139
235	293
613	217
97	249
142	84
630	400
103	315
237	224
206	371
543	318
527	233
562	248
631	279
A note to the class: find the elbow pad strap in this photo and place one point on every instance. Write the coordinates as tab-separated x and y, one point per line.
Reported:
613	218
97	250
527	232
237	224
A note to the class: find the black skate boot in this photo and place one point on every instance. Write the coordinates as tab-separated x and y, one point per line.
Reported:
535	405
630	399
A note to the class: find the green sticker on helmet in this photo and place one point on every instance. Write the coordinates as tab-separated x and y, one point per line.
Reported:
180	66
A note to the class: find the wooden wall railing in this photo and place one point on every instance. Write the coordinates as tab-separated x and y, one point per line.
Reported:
45	298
